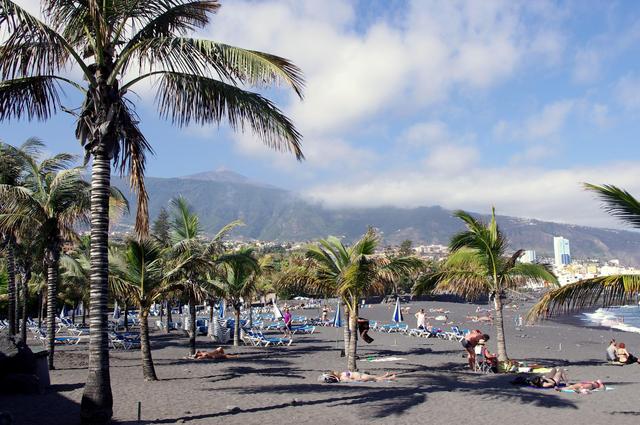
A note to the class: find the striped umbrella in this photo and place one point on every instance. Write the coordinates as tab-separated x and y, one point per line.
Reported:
337	319
397	312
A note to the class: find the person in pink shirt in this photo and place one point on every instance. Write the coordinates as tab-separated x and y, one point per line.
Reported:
287	322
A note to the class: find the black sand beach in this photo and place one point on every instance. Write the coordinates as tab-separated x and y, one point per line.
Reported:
279	385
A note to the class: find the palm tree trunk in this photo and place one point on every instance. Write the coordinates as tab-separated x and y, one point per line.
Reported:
126	316
97	400
169	318
210	328
353	340
148	370
500	339
18	284
192	326
347	333
11	274
236	326
40	308
25	297
52	288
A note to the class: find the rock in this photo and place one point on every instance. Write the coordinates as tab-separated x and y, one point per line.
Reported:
295	402
233	409
15	356
20	383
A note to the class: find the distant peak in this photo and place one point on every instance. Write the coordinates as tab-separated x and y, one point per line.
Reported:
220	174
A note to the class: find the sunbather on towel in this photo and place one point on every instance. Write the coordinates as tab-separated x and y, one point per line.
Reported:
553	379
216	354
347	376
585	387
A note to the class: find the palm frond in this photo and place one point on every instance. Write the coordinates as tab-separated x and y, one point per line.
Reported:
618	202
32	47
184	98
30	97
603	291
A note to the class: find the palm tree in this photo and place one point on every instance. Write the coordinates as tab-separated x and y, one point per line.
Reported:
350	273
604	291
477	266
10	174
198	81
235	279
191	259
139	273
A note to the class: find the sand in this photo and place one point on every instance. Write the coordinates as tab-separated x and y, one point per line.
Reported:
278	385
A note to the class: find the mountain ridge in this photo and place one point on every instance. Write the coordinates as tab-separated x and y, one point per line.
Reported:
272	213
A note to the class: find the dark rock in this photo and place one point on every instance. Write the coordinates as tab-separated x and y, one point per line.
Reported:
15	356
20	383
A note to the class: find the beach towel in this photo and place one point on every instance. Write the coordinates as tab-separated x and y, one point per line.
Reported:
386	359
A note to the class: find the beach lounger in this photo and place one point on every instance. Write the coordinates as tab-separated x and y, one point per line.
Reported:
305	329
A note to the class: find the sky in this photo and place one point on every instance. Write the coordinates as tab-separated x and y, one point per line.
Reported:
462	104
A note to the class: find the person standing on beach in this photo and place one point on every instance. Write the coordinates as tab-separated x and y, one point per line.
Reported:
287	323
421	319
469	343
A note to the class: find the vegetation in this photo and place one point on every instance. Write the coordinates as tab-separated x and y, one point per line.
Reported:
349	273
198	81
477	266
603	291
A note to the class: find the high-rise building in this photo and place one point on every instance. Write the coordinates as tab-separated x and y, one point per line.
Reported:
529	256
561	251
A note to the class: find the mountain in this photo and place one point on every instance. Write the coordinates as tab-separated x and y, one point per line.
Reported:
271	213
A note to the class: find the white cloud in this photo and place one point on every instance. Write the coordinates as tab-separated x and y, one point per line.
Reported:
627	91
549	121
554	195
425	134
588	64
451	159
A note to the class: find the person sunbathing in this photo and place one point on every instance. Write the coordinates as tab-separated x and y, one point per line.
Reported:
585	387
553	379
624	356
347	376
217	354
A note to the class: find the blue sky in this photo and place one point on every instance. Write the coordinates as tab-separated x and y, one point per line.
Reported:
459	104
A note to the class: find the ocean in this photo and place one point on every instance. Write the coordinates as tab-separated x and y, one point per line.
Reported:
624	318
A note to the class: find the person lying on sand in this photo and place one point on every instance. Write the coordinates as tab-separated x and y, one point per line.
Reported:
585	387
488	318
333	376
553	379
216	354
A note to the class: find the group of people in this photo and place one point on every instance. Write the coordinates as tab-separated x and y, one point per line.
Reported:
617	352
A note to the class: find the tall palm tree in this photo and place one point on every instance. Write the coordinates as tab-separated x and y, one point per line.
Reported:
478	265
108	41
191	259
235	279
10	174
350	273
604	291
139	273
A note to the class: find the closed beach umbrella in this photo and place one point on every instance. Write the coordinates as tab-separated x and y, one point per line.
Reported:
116	311
80	309
63	313
277	314
337	319
397	312
221	309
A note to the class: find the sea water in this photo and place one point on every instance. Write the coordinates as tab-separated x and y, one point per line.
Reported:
624	318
